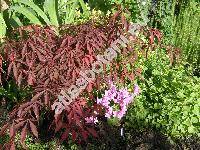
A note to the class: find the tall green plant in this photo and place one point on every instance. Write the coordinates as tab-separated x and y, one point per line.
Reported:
49	12
187	32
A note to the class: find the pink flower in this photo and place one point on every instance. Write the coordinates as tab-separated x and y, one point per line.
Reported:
115	101
136	90
99	100
91	119
108	115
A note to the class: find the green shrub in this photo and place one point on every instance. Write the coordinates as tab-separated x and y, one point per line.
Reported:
179	20
170	99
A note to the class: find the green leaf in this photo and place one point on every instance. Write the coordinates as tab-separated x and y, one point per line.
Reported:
27	13
70	17
194	120
181	127
196	110
2	91
191	129
15	21
37	10
128	67
181	94
176	109
3	26
156	106
83	5
186	108
113	121
187	122
50	9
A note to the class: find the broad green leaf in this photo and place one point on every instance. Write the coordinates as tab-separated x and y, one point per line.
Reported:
37	10
187	122
156	106
194	120
191	129
50	9
27	13
15	21
83	5
196	110
3	26
128	66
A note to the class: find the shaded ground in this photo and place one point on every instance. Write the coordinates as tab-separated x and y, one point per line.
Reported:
148	139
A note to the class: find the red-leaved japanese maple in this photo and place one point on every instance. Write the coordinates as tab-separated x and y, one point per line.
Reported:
49	63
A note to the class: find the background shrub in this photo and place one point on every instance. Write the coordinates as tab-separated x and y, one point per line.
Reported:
179	20
169	100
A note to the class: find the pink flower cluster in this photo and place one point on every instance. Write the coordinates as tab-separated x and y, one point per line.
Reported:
116	101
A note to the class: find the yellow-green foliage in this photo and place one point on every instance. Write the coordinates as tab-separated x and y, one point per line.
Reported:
170	99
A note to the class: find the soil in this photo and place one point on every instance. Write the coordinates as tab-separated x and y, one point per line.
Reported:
148	139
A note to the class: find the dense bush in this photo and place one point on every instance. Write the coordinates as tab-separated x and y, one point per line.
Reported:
170	98
37	57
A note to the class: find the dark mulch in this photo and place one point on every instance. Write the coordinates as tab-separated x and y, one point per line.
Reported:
148	139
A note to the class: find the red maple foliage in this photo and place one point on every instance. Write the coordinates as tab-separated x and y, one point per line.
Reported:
49	63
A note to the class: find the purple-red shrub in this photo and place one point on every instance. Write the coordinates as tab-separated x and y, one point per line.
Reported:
49	63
